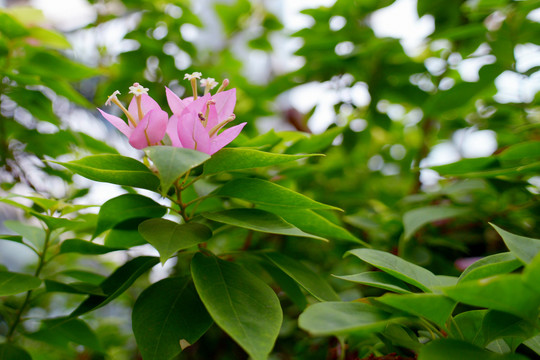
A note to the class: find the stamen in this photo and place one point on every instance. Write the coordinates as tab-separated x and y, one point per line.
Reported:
139	107
224	84
216	128
137	90
208	103
115	101
208	84
193	79
201	117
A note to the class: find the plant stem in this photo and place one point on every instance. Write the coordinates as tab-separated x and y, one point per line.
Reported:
26	301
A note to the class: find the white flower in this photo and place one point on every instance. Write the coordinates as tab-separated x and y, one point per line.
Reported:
209	83
137	89
195	75
113	96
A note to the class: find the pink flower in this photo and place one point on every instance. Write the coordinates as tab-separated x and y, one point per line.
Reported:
196	121
147	123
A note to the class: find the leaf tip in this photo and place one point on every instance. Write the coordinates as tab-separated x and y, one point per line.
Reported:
184	344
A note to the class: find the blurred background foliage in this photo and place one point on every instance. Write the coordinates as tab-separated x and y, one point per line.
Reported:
466	94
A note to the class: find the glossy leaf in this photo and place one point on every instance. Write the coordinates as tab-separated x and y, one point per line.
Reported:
451	349
165	314
172	162
126	207
503	292
491	265
340	318
14	283
434	307
244	158
240	303
168	237
9	351
267	193
414	219
399	268
118	282
379	280
304	276
85	247
524	248
114	169
258	220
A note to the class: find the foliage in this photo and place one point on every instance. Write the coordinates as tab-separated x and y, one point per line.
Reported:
284	244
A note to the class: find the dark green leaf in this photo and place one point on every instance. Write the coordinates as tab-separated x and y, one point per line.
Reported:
9	351
304	276
451	349
241	304
264	192
114	169
231	159
315	143
468	326
258	220
15	283
73	288
126	207
169	237
63	330
417	218
172	162
524	248
491	265
167	317
85	247
497	325
123	238
118	282
287	284
378	279
399	268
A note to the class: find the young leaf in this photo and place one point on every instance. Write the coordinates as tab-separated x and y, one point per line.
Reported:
264	192
168	237
15	283
85	247
414	219
9	351
172	162
434	307
166	313
340	318
452	349
491	265
114	169
231	159
241	304
524	248
379	280
399	268
304	276
118	282
258	220
125	207
502	292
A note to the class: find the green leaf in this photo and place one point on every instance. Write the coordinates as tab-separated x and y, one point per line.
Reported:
532	343
126	207
496	264
34	235
524	248
414	219
241	304
114	169
468	326
258	220
379	280
524	150
168	237
172	162
309	221
531	274
49	38
341	318
397	267
118	237
503	292
497	325
7	350
10	27
73	288
15	283
63	330
118	282
465	166
315	143
263	192
231	159
402	336
85	247
47	64
36	103
168	316
452	349
287	284
434	307
304	276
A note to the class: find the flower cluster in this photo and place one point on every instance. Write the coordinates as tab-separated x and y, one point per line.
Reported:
196	122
